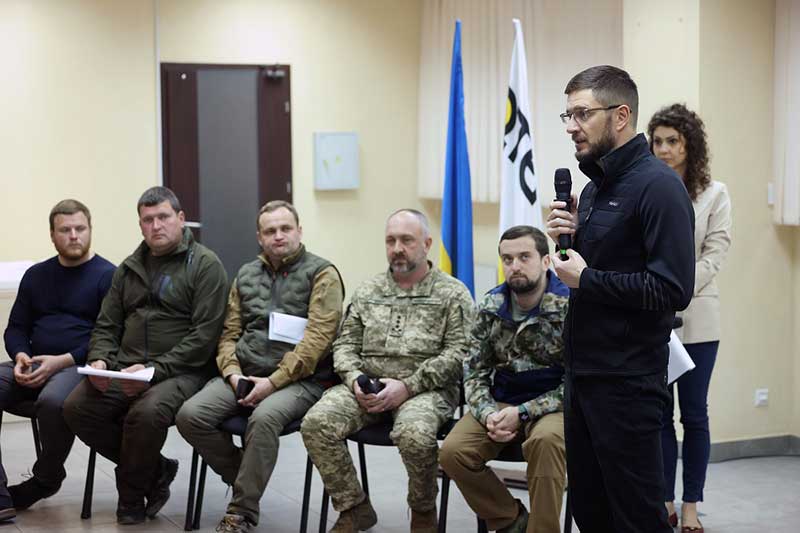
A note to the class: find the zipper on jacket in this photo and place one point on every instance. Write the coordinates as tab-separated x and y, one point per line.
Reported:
575	296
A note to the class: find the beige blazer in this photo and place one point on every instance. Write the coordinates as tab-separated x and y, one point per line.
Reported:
712	238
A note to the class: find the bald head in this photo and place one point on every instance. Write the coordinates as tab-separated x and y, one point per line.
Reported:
420	218
408	242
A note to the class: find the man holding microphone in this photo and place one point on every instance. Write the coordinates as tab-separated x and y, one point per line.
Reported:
630	268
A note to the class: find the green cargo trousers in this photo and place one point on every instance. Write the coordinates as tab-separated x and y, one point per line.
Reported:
248	470
416	422
129	430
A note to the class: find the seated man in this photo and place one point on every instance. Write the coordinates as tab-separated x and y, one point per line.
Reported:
47	335
410	328
287	378
164	310
513	382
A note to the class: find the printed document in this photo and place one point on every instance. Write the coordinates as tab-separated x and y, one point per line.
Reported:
286	328
679	360
146	374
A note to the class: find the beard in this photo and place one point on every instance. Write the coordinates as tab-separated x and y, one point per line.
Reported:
402	264
522	285
73	252
597	150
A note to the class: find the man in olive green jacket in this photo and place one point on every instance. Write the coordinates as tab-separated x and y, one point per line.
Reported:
164	310
286	378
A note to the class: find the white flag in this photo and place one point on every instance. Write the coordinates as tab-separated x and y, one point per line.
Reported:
519	202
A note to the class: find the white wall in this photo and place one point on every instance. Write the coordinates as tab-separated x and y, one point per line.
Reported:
78	119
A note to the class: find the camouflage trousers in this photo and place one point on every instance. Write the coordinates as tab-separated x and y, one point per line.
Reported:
416	422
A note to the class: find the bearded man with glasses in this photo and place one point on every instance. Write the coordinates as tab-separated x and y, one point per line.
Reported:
631	268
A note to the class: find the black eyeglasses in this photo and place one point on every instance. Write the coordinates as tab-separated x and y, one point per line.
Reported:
583	114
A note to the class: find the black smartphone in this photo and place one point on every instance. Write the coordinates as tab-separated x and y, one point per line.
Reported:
243	388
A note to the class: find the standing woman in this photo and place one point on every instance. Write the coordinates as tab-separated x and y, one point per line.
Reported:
677	137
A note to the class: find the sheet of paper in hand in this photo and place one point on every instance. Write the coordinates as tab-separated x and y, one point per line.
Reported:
146	374
286	328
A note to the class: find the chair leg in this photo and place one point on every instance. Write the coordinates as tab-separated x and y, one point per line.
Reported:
444	501
482	526
201	488
37	442
306	496
323	513
88	489
190	497
362	462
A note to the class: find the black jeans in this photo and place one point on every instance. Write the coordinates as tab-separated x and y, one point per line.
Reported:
612	428
130	431
48	399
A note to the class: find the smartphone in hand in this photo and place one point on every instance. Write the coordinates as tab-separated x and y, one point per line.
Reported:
243	388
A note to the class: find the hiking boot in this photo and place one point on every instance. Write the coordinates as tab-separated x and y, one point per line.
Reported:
29	492
130	514
355	519
424	521
159	493
234	523
520	523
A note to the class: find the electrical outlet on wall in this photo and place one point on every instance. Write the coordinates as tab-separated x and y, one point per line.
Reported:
761	397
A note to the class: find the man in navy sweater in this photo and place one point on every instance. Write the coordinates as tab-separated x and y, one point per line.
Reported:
47	337
631	268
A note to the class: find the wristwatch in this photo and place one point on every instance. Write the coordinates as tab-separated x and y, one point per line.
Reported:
523	414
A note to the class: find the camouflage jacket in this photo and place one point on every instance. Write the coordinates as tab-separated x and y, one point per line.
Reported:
419	336
530	350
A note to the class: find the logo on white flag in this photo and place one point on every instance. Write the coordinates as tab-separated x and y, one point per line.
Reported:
518	147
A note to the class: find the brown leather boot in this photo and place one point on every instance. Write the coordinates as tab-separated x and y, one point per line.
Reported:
355	519
424	521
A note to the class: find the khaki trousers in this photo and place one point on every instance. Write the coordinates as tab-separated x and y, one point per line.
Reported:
468	448
250	469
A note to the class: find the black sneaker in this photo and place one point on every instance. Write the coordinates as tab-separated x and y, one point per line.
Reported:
130	514
159	494
29	492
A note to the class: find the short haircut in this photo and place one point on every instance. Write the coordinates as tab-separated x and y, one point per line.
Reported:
517	232
156	195
68	207
419	215
609	85
274	205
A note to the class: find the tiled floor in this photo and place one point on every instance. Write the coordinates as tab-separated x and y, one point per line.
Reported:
745	496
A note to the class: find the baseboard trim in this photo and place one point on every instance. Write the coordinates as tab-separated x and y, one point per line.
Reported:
758	447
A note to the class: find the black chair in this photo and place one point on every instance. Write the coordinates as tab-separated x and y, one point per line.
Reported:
237	425
378	435
27	409
511	453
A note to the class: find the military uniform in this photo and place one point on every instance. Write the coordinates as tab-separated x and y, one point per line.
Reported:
518	363
418	336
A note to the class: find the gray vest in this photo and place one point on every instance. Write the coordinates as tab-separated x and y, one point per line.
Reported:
262	291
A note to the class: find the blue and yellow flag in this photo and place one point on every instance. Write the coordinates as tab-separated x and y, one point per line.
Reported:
455	254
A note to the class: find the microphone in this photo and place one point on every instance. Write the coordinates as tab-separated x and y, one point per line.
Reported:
563	184
370	386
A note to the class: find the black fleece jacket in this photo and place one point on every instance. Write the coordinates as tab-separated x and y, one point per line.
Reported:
636	233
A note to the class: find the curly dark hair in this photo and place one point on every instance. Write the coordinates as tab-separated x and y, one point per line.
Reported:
690	125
